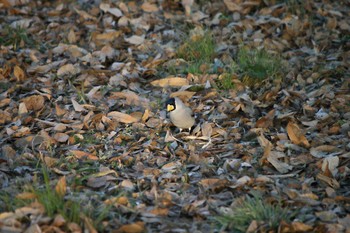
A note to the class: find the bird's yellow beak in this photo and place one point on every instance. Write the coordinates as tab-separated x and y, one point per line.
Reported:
170	107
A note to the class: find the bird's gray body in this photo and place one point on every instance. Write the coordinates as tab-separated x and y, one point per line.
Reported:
181	116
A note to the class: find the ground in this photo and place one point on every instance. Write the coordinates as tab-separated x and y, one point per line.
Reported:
87	145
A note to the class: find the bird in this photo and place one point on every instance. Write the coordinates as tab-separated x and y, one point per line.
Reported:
180	115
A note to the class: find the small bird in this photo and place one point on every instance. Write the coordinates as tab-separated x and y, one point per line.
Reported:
180	115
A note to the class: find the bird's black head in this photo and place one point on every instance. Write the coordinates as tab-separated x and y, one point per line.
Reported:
170	104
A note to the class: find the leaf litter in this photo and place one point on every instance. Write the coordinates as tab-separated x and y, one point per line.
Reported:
82	94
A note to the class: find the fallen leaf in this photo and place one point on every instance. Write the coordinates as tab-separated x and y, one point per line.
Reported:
19	74
67	69
34	102
331	163
137	227
172	82
26	196
280	166
296	136
77	106
214	184
61	137
135	40
61	187
127	185
83	155
266	121
122	117
207	129
301	227
71	36
149	7
325	151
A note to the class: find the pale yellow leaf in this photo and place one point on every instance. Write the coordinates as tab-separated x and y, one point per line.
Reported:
77	106
171	82
135	40
67	69
61	187
22	109
207	130
149	7
61	137
280	166
127	185
122	117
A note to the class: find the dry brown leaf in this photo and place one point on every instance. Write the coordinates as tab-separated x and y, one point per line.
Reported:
137	227
49	161
67	69
264	142
325	151
26	195
214	184
122	117
59	221
106	37
117	200
171	166
78	107
145	115
233	5
135	40
127	185
280	166
154	123
19	74
71	36
83	155
114	11
330	164
160	211
149	7
30	140
131	98
187	94
97	182
34	102
85	15
61	137
187	4
331	182
172	82
5	117
88	224
301	227
61	187
4	102
266	121
207	129
296	136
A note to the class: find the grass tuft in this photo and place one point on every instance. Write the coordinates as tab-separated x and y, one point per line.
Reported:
225	81
198	51
17	37
256	65
268	216
55	203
